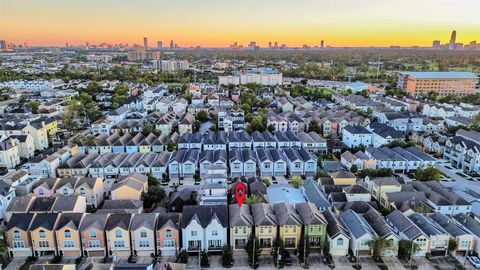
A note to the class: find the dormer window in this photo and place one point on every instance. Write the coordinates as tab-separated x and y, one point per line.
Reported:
67	234
41	234
16	234
82	191
118	233
65	191
143	234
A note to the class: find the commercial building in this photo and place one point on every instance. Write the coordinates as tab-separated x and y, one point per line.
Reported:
170	65
443	83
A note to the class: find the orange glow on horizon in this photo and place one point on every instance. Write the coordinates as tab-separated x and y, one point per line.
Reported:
219	23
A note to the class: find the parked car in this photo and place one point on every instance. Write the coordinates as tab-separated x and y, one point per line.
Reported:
475	261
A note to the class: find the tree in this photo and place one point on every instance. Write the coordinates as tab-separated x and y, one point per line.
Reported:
253	199
33	105
150	128
452	244
277	249
93	88
257	123
155	194
171	146
227	256
296	181
22	99
405	249
303	249
266	181
204	259
354	168
314	126
253	250
182	256
271	128
202	116
120	95
428	173
379	245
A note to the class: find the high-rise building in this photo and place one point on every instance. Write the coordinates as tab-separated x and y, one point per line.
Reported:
270	45
436	44
3	45
172	45
276	45
159	44
253	46
322	44
145	43
170	65
453	38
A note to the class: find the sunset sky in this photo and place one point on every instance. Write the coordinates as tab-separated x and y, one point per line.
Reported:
218	23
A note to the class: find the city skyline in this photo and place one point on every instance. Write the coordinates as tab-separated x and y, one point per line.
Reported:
214	23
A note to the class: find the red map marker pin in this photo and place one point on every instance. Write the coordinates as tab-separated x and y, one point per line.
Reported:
240	193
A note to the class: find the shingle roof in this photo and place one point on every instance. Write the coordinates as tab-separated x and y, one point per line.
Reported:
44	220
146	220
263	215
204	214
21	221
94	220
240	216
118	220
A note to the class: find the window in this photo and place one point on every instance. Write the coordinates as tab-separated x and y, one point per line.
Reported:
193	233
119	243
143	234
65	191
214	243
168	243
16	235
168	233
67	234
68	244
18	244
214	233
94	244
43	244
340	242
41	191
82	191
144	243
93	234
118	233
41	234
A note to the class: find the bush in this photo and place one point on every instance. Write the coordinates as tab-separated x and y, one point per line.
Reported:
182	256
357	266
78	260
56	259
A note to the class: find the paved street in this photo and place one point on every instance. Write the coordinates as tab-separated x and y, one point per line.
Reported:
458	182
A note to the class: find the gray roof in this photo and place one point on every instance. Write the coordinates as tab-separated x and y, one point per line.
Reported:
95	220
310	214
71	219
240	216
378	223
286	214
21	221
334	226
427	225
204	214
314	195
403	224
66	203
118	220
263	215
172	219
355	224
448	224
44	220
469	223
146	220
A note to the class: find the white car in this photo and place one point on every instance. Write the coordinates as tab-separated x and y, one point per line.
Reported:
475	261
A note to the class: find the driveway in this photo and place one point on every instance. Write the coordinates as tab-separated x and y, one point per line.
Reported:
458	182
393	263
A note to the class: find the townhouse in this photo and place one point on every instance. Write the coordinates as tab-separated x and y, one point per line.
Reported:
118	236
380	185
439	237
241	225
183	163
408	230
129	187
67	235
243	162
441	199
289	224
204	227
263	139
271	162
215	141
338	236
465	240
190	140
300	162
209	158
168	234
354	136
463	150
315	224
312	142
42	234
359	159
18	235
142	233
400	159
360	232
93	235
239	140
266	225
472	226
287	139
9	153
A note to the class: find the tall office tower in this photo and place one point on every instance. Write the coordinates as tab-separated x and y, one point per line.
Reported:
172	45
3	45
145	43
269	44
322	44
436	44
276	45
159	44
453	38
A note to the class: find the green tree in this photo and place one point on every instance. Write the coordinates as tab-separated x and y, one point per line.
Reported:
296	181
93	88
154	194
150	128
120	95
227	256
171	146
253	199
428	173
182	256
253	250
266	181
33	105
277	248
405	249
378	245
204	262
354	168
257	123
314	126
202	116
303	249
452	244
